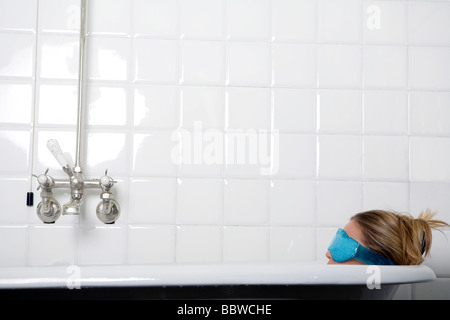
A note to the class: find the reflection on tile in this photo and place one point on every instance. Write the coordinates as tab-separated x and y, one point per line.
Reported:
157	107
59	16
58	104
155	154
58	57
107	106
111	17
16	103
108	58
16	146
16	56
107	151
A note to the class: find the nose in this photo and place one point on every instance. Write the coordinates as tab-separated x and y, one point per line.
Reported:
328	255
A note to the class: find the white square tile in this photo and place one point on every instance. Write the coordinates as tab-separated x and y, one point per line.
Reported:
439	261
102	245
429	23
430	112
153	200
292	203
155	154
392	196
11	212
156	60
340	157
429	158
294	20
339	21
292	244
205	105
246	244
200	201
246	202
202	152
156	107
385	112
16	101
111	17
433	196
338	201
199	244
339	111
157	18
106	106
16	149
385	22
248	64
248	154
294	110
294	156
294	65
202	19
18	15
429	68
107	150
58	57
202	62
151	244
339	66
248	19
45	251
109	58
385	67
57	104
17	55
14	255
386	158
247	108
59	16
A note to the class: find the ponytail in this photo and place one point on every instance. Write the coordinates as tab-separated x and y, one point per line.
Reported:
399	237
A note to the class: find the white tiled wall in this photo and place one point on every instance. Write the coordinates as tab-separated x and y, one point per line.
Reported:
350	101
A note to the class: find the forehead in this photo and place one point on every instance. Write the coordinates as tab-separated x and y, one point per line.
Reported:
354	231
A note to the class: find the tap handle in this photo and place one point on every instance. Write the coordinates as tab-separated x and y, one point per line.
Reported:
55	149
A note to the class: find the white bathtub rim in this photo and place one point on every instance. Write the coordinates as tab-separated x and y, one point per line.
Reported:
208	274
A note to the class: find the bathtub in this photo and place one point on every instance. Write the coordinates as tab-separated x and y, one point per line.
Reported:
211	281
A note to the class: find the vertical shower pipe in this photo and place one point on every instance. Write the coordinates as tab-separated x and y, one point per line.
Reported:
81	93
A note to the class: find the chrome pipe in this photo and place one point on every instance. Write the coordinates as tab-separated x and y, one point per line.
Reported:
81	91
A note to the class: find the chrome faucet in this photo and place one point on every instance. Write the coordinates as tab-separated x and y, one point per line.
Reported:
49	210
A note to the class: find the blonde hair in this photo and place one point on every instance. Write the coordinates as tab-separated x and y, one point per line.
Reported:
397	236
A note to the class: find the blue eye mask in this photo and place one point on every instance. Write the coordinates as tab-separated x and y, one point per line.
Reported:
344	248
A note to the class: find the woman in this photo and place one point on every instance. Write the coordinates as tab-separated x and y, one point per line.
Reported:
384	238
